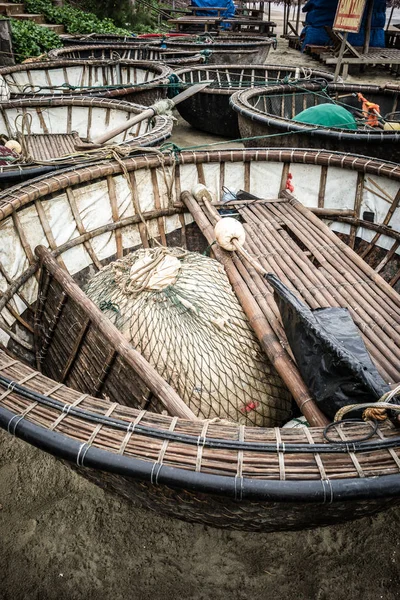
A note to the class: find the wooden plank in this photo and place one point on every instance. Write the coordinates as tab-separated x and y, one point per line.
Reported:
160	388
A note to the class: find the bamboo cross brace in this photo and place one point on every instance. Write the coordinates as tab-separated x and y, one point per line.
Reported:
161	389
386	221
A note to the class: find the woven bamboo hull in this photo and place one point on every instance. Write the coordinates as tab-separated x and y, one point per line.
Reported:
53	125
251	129
230	51
175	58
278	106
138	454
210	110
137	81
225	513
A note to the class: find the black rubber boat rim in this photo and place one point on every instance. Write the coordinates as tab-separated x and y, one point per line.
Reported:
323	491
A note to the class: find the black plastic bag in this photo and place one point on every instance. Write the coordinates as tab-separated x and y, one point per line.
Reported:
330	353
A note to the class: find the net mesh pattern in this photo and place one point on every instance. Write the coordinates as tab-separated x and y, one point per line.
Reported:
196	335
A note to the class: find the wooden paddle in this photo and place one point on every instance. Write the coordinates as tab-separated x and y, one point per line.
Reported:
146	114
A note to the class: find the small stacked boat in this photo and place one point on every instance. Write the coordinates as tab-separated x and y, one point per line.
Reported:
267	117
210	110
50	132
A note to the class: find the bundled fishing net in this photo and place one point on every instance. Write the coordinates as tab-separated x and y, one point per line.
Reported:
178	310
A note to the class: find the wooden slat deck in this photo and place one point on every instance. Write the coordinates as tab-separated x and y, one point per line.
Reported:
375	56
51	145
291	242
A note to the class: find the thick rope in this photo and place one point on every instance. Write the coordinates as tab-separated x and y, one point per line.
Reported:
373	410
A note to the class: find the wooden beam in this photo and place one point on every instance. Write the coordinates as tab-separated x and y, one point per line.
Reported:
370	8
340	57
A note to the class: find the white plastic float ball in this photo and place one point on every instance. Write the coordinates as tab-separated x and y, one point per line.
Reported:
14	146
227	231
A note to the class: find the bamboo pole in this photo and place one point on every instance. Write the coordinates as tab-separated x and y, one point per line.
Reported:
261	325
351	297
340	57
160	388
370	9
390	18
298	16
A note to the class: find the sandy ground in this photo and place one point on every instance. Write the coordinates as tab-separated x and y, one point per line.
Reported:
63	538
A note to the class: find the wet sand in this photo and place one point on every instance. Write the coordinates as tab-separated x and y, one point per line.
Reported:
62	538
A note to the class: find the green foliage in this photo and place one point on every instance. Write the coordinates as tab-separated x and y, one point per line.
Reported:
30	39
138	18
73	19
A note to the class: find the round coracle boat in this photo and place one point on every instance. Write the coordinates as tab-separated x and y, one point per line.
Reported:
73	386
210	110
140	81
263	113
49	130
228	49
172	58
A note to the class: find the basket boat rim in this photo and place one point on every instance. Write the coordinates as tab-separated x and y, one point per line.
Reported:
322	491
233	88
303	489
53	54
17	196
220	44
159	67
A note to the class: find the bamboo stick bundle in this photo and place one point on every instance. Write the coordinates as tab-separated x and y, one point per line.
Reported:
389	292
323	233
371	310
237	270
321	293
317	294
329	256
364	316
388	313
382	355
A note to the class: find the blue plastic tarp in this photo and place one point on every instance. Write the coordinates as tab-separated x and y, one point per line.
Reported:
208	4
321	13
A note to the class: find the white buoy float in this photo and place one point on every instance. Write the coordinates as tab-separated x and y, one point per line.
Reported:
228	230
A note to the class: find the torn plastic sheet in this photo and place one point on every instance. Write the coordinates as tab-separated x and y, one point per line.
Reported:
329	351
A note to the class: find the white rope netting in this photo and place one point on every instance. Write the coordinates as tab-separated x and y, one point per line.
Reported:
178	310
